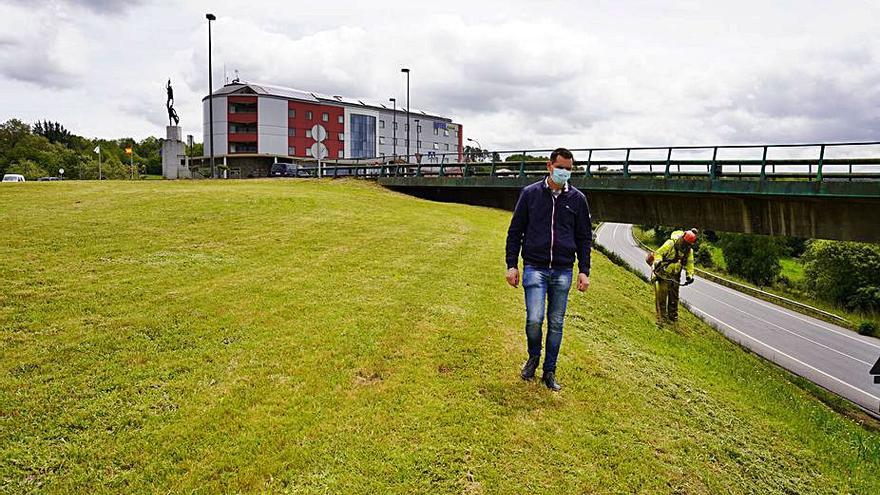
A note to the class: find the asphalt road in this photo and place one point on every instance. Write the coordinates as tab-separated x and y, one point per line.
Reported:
833	357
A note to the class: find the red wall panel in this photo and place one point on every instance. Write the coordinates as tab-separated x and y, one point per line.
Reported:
300	123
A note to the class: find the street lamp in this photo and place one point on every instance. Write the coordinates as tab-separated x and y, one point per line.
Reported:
394	127
405	70
211	17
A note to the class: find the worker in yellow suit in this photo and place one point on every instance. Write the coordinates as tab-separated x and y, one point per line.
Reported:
667	262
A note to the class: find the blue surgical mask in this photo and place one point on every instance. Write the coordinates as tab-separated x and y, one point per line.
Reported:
560	175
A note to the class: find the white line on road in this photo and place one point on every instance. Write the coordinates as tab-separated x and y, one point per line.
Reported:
790	313
768	346
782	328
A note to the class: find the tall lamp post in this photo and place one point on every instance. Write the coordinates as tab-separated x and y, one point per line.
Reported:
211	17
405	70
394	127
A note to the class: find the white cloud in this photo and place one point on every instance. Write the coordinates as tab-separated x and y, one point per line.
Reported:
515	74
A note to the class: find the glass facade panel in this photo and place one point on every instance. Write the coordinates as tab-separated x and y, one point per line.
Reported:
363	136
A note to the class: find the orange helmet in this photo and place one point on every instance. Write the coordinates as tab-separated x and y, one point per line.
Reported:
690	237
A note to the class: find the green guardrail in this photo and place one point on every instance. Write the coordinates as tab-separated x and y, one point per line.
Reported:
858	161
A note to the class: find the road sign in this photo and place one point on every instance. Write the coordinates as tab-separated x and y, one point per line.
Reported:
319	151
319	133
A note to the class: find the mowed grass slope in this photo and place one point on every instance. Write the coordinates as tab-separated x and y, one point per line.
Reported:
335	337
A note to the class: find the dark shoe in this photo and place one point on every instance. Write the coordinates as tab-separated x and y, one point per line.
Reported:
549	379
528	369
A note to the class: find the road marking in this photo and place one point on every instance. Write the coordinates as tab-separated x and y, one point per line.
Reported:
790	313
787	355
783	328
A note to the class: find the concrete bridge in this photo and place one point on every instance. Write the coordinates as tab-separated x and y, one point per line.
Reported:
818	196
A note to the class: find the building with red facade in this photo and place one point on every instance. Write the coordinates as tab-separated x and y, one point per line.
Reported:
256	125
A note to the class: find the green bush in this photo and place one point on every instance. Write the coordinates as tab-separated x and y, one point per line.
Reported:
868	328
792	246
753	257
844	273
702	255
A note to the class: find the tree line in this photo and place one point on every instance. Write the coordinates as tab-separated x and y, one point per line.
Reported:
43	148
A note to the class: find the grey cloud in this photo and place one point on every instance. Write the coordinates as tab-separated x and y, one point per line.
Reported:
837	105
26	62
96	6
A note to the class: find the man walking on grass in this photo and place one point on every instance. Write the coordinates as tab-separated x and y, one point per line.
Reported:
551	223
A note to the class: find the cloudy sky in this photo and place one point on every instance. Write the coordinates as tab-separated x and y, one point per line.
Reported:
515	74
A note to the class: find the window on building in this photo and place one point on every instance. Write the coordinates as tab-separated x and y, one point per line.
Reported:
291	131
446	132
309	115
405	127
436	131
341	119
436	146
342	136
291	150
418	144
419	128
242	107
362	136
381	124
447	146
381	139
308	133
291	113
395	141
395	126
308	151
243	147
325	117
235	128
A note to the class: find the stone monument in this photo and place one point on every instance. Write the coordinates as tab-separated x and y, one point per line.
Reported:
175	164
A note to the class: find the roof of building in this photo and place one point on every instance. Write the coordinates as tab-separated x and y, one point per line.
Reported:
245	88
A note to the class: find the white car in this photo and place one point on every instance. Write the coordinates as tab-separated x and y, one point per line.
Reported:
13	178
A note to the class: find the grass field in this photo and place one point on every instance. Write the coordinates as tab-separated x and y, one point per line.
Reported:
333	337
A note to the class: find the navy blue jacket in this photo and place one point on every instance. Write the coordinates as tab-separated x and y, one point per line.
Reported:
550	230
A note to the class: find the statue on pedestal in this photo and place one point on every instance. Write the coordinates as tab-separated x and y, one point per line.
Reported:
172	113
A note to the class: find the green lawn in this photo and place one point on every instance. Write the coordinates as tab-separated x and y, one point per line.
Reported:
333	337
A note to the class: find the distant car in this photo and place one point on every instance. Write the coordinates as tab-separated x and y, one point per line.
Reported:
13	178
48	178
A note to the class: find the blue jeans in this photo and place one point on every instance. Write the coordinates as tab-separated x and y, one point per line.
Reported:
552	285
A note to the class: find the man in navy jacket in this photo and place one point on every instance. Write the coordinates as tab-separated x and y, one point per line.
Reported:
550	224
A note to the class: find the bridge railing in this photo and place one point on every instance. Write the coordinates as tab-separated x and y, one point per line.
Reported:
812	161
